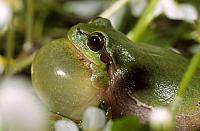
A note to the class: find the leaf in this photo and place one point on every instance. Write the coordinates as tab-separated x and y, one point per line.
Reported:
129	123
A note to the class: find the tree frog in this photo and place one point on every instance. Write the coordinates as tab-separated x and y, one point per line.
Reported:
96	63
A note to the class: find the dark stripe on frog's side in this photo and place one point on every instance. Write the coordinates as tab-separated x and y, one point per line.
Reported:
163	70
137	79
121	103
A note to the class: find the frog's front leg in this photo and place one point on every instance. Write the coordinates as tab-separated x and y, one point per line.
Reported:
122	104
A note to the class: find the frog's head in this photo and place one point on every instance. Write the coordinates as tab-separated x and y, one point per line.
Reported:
90	40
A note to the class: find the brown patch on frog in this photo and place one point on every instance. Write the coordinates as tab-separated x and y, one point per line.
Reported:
121	103
105	58
188	123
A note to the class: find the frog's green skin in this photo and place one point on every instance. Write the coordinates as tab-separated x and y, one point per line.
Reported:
133	79
141	76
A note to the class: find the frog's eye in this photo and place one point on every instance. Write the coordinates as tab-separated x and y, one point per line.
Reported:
96	41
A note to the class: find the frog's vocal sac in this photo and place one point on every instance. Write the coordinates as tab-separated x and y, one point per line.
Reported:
97	63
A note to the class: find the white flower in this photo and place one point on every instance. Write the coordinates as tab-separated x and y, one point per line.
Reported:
65	125
161	119
176	11
117	17
108	126
5	14
138	6
19	108
170	8
93	119
83	9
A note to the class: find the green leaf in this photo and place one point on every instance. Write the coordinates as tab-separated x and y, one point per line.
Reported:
128	124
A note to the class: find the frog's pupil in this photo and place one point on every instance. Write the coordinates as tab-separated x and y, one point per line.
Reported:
95	43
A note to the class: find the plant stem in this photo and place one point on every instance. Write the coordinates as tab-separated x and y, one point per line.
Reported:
136	33
21	64
185	81
10	46
39	26
114	8
29	24
198	30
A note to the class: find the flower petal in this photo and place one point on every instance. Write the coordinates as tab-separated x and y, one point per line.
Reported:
159	9
108	126
65	125
177	11
189	12
171	9
161	119
20	109
5	15
86	8
138	6
93	118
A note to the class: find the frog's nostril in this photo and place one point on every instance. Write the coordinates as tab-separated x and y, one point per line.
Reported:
81	32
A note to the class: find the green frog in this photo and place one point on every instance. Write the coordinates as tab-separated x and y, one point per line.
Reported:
96	64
